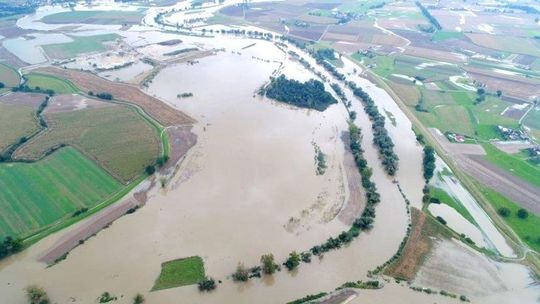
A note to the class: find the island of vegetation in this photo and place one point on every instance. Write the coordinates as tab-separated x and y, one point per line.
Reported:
310	94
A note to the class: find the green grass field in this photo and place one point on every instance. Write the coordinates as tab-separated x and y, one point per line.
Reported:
9	76
533	118
180	272
36	195
45	82
513	164
16	122
95	17
443	35
450	201
117	137
80	45
527	229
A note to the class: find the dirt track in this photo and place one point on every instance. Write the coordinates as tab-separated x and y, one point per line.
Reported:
154	107
356	202
88	229
416	248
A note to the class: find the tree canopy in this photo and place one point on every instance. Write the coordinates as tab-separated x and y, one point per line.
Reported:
310	94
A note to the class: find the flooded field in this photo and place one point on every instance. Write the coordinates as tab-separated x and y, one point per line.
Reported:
249	185
28	48
252	154
452	186
129	74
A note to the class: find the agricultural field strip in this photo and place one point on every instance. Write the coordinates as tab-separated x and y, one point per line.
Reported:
154	107
107	135
62	183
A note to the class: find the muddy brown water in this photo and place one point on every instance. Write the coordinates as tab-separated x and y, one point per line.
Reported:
251	171
235	195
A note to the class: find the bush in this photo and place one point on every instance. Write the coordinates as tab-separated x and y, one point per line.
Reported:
36	295
9	246
441	220
150	170
503	211
106	297
207	284
268	264
306	257
293	261
522	214
241	274
138	299
429	163
105	95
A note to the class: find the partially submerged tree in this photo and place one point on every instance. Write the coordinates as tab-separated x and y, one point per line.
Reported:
138	299
293	261
268	264
207	284
241	274
36	295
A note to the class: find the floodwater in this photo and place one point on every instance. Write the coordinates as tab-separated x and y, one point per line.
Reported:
28	49
127	74
458	223
247	188
492	236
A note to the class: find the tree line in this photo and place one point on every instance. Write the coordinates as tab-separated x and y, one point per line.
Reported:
428	15
429	162
380	135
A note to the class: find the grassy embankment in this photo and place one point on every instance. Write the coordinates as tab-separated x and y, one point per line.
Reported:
180	272
452	202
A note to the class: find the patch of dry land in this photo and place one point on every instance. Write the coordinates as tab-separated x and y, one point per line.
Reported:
88	82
